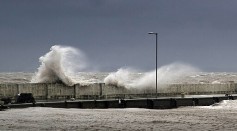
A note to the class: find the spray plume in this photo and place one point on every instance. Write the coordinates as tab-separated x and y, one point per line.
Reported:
166	74
121	78
57	65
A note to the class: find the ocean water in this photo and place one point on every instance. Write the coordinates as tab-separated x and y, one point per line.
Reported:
70	66
66	64
98	77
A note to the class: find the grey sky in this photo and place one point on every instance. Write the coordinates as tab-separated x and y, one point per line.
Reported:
113	33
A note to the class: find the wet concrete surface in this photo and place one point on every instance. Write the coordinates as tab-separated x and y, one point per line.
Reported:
220	117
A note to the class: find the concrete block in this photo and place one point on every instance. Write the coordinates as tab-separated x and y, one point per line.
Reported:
101	104
8	90
142	103
88	104
23	105
98	104
39	90
164	103
73	104
205	101
219	99
88	89
60	91
232	97
55	104
114	103
184	102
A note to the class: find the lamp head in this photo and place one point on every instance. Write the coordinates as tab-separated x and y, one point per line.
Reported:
152	33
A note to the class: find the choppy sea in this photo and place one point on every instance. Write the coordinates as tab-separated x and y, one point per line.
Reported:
97	77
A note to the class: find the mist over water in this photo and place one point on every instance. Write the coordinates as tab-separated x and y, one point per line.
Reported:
59	64
63	64
122	78
166	75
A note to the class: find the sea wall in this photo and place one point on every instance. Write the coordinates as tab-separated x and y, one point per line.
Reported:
101	91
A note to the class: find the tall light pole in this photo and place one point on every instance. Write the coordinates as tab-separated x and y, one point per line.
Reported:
156	34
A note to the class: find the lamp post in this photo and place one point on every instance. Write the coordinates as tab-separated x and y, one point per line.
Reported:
156	34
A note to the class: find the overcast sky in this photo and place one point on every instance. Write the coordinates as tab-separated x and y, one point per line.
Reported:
113	33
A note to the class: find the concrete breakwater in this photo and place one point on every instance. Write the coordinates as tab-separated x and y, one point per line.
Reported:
160	103
43	91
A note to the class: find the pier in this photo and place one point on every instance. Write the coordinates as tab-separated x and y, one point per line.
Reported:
152	103
99	91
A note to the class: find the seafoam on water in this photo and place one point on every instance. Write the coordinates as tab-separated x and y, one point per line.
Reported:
97	77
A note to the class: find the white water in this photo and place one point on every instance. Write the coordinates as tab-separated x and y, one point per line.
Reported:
225	104
124	77
58	64
61	63
64	64
165	75
98	77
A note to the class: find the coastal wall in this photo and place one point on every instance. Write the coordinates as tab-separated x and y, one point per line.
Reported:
102	91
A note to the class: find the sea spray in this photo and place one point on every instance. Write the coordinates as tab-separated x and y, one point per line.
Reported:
121	78
58	64
166	74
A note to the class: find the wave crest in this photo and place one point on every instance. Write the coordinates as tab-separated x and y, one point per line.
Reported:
57	65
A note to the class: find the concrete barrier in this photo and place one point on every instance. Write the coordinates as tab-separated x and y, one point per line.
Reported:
98	104
8	90
39	91
102	91
204	101
164	103
219	99
73	104
88	104
60	91
184	102
25	105
115	104
55	104
101	104
139	103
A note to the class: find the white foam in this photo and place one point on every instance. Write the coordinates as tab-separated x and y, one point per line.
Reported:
166	74
121	78
225	104
58	64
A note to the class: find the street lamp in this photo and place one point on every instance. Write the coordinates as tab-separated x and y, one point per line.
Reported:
156	34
